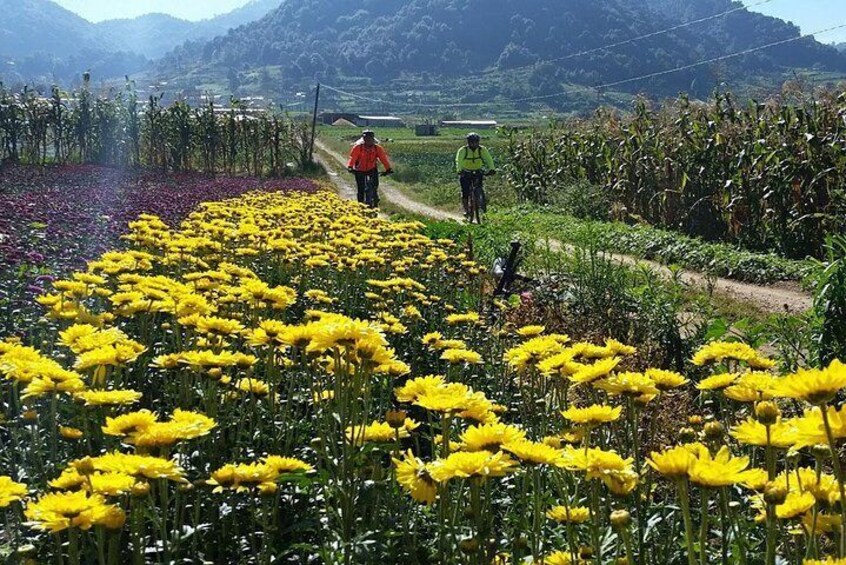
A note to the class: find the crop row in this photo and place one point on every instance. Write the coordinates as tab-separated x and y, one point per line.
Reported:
770	176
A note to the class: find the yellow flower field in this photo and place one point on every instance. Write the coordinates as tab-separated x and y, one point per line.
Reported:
290	379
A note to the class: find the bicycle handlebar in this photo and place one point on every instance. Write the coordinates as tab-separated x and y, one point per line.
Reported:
380	173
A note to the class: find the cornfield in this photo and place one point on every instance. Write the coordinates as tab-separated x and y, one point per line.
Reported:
766	176
121	131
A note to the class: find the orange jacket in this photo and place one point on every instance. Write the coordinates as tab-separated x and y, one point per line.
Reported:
364	159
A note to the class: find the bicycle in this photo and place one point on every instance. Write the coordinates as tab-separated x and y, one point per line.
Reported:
508	280
371	193
477	199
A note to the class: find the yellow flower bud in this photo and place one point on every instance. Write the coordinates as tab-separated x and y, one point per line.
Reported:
775	494
620	519
767	412
396	418
714	431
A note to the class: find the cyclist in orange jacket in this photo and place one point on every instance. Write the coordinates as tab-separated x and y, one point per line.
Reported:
364	162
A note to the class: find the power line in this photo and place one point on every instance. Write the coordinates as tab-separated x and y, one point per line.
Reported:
601	86
724	57
629	41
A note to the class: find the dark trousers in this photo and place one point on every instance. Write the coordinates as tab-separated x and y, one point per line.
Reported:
466	185
360	182
467	189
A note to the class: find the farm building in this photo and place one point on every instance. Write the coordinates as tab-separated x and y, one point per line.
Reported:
426	130
470	124
329	118
380	121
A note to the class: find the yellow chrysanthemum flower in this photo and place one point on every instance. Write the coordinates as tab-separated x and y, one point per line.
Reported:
477	464
597	370
10	491
379	432
56	512
139	466
489	437
720	351
717	382
782	434
825	561
593	415
459	356
571	515
108	397
796	504
816	386
665	380
459	319
130	423
282	465
674	463
557	558
756	479
718	471
414	476
530	331
595	462
810	427
533	453
628	384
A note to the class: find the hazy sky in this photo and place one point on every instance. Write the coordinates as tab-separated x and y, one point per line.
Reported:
810	15
98	10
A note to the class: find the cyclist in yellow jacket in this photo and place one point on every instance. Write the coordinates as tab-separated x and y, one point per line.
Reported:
472	160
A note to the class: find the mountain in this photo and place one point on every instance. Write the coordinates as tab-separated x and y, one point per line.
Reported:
33	26
840	46
41	41
451	43
153	35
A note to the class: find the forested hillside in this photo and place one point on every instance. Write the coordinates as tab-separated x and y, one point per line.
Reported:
382	41
41	42
153	35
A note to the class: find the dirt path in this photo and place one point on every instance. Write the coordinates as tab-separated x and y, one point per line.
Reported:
781	298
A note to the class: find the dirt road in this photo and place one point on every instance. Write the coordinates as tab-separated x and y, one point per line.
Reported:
781	298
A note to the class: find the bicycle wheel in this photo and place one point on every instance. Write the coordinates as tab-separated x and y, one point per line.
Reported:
472	204
478	197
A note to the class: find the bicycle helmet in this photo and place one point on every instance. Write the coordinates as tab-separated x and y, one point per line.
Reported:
368	133
473	137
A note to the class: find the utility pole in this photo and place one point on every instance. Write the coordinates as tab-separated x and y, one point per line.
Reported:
314	123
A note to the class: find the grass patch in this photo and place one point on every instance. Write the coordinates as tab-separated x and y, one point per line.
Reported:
718	259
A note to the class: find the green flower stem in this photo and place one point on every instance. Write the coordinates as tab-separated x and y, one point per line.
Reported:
481	530
627	542
57	556
73	546
684	501
703	527
114	548
594	521
537	511
734	523
101	546
771	517
838	469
